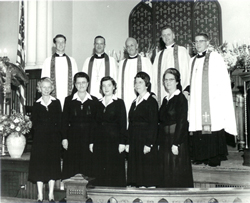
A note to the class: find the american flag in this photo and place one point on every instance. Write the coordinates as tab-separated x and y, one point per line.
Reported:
20	59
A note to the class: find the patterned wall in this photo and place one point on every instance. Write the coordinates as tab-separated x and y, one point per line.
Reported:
186	16
207	18
176	14
141	25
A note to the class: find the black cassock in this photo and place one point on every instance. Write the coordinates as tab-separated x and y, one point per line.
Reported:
45	163
109	164
78	124
143	121
175	170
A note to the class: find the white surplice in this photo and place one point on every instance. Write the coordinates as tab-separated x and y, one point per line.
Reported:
98	72
61	72
220	96
168	62
129	74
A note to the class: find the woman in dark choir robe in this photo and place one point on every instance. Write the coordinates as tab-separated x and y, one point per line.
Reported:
142	133
109	142
78	123
45	163
175	164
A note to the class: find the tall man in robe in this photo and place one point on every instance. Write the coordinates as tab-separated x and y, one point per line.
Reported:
128	68
173	56
211	112
61	68
98	66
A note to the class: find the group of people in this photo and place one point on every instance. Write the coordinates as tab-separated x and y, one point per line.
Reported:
149	113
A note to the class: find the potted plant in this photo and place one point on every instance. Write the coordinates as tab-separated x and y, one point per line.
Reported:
14	127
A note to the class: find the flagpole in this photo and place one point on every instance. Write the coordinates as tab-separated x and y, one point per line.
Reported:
20	60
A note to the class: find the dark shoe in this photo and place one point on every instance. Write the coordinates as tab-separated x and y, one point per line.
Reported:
39	200
197	162
51	200
214	164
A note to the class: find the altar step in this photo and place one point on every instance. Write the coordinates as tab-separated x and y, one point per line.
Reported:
187	195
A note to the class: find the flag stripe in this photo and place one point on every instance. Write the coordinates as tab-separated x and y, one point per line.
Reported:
20	59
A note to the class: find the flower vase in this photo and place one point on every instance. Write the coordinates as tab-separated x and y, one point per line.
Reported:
16	143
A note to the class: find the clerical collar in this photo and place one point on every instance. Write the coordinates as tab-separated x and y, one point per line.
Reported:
60	55
99	56
170	46
133	57
202	54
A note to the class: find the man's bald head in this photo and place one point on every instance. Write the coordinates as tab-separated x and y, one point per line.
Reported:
131	46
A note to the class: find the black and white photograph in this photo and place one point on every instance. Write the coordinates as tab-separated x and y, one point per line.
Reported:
125	101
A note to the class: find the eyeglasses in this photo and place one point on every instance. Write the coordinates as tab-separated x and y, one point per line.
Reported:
169	80
199	42
81	83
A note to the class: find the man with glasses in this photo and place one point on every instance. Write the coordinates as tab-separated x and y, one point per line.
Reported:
61	68
211	110
173	56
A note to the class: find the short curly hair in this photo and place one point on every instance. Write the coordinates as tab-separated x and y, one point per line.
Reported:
45	79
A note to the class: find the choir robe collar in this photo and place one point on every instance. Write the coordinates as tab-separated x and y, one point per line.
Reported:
76	97
114	97
145	97
133	57
99	56
60	55
170	46
201	54
42	102
176	92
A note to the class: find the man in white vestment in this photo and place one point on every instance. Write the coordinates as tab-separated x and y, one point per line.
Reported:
98	66
211	111
173	56
128	68
61	68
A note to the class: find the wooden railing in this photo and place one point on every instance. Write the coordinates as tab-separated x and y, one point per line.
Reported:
196	195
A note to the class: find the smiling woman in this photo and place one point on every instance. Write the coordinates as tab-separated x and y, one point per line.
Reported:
78	125
175	163
142	133
45	166
108	145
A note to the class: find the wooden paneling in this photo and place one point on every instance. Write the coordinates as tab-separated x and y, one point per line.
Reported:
31	91
14	174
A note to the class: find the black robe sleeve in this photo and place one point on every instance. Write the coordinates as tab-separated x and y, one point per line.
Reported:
153	121
181	124
123	123
66	117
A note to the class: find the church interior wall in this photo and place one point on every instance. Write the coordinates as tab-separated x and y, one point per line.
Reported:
81	21
9	28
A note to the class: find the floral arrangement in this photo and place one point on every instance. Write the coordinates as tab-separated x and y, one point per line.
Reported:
234	56
16	122
148	51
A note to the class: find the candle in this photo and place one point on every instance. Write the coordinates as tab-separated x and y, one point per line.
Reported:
5	51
